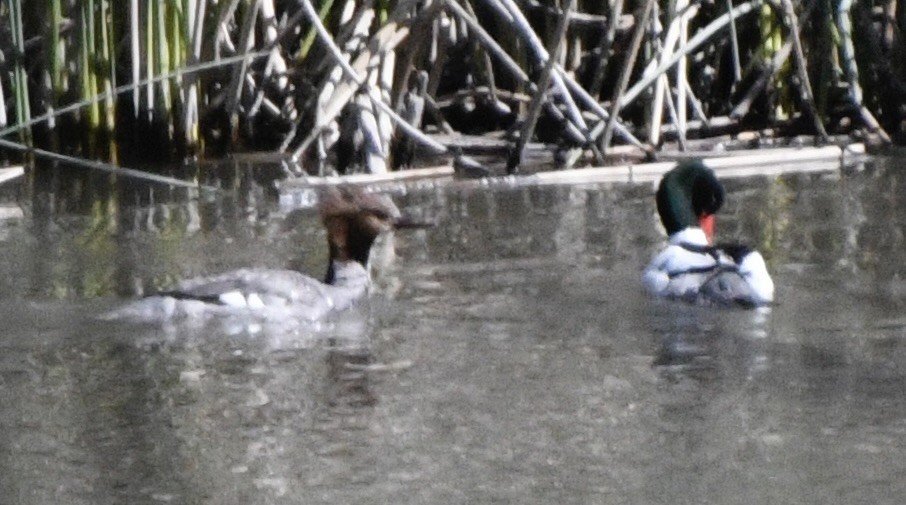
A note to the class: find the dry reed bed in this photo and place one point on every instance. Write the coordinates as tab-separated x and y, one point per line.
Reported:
351	86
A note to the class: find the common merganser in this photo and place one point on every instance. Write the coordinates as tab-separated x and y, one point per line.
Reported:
353	219
690	267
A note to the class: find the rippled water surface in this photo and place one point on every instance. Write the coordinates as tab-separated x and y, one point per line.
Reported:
508	356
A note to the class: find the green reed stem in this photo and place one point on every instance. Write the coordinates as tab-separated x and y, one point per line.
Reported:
57	52
106	67
162	66
309	40
177	30
194	16
149	58
89	66
132	86
20	77
135	52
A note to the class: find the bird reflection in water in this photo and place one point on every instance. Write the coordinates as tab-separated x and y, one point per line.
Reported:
679	355
347	374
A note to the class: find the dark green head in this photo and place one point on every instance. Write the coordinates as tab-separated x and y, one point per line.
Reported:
688	193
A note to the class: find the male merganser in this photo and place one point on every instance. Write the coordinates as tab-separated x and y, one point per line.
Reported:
690	267
353	220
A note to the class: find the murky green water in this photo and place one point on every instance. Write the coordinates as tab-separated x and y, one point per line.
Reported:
510	356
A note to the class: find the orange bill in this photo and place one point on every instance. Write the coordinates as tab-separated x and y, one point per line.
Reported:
707	223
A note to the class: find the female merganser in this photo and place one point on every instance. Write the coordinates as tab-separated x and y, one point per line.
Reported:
353	220
690	267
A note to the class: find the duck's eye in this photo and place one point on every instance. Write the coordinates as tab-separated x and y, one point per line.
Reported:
380	214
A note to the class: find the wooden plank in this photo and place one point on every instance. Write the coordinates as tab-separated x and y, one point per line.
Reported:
10	173
10	212
761	157
399	176
738	164
746	163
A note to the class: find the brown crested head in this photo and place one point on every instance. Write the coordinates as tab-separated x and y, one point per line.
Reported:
354	218
373	212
